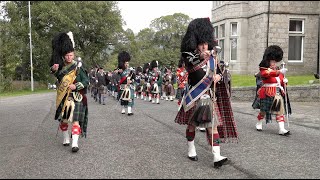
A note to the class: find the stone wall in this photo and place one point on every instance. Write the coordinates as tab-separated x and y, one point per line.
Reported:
309	93
252	18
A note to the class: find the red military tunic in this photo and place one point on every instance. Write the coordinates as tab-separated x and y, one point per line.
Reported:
182	75
270	82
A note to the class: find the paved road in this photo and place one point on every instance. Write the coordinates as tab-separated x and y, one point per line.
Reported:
149	144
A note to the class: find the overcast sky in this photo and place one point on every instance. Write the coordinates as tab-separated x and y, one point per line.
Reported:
139	14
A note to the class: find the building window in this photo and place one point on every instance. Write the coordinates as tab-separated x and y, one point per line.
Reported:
296	37
233	41
233	48
222	30
215	32
234	29
221	54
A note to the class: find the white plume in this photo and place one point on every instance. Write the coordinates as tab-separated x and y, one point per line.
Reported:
71	37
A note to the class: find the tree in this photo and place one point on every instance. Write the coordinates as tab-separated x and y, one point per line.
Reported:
162	40
95	25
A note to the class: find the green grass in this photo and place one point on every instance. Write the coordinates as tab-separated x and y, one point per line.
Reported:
250	80
236	81
25	92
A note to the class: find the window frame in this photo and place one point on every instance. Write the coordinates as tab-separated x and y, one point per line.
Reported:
216	32
236	37
222	30
295	34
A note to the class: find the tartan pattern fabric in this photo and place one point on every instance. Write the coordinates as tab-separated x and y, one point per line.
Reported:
227	128
127	103
183	117
198	66
265	105
80	114
79	111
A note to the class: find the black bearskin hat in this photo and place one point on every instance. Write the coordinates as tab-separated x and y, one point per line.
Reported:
273	52
62	44
122	58
154	64
138	69
199	31
145	67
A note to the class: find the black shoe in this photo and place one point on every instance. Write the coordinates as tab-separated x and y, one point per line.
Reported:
66	144
220	163
75	149
259	129
129	114
193	158
286	134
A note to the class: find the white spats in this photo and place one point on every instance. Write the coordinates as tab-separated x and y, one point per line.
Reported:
259	125
202	129
191	149
282	130
129	110
163	95
216	154
123	111
158	100
66	138
75	139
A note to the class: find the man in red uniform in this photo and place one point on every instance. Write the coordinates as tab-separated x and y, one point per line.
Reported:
272	93
182	76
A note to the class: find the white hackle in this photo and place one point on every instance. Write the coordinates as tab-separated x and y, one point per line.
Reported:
71	38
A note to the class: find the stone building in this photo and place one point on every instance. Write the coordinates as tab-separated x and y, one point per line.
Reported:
245	28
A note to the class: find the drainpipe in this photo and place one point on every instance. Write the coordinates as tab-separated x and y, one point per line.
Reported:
268	23
318	60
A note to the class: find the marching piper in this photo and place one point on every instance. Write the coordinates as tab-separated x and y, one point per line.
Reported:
272	95
126	89
71	101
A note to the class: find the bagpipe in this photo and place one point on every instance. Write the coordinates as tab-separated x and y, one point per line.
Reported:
126	93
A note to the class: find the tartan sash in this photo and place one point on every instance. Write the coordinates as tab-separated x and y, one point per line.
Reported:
192	95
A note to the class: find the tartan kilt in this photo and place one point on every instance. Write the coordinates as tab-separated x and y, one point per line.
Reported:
265	106
126	103
227	127
184	118
79	111
256	103
80	114
266	103
179	93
